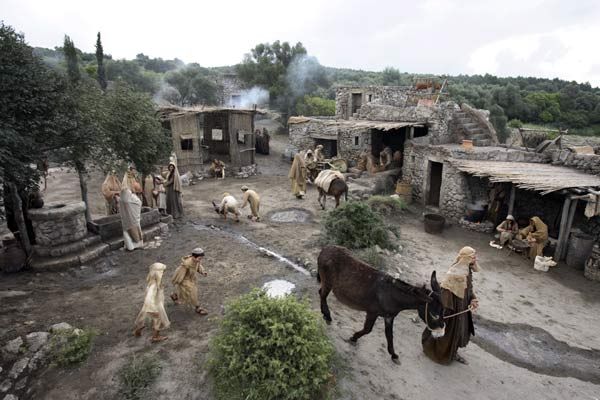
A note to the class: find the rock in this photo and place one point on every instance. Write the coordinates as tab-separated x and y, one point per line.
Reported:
5	385
378	249
34	363
10	397
18	368
13	346
21	384
63	326
35	340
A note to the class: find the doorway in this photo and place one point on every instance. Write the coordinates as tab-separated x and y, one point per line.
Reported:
435	183
329	147
356	102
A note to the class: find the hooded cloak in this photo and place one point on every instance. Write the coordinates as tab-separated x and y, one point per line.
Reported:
154	300
298	176
456	277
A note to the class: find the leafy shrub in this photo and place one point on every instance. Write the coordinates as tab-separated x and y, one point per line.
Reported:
515	123
271	348
355	225
137	375
386	205
371	257
71	347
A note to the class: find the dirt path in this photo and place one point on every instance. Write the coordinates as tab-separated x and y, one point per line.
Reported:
518	304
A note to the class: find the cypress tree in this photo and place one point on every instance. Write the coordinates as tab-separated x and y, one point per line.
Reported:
100	60
72	63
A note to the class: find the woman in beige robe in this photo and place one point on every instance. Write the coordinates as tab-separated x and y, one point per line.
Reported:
154	305
298	176
536	234
111	187
185	281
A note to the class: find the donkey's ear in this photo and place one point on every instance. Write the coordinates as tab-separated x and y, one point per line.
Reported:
435	286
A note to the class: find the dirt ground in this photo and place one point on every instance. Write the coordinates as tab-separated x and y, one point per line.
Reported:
536	332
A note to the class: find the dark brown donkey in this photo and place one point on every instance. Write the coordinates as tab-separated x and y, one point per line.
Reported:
363	288
337	188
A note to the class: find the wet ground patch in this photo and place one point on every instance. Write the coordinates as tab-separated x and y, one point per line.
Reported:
290	215
537	350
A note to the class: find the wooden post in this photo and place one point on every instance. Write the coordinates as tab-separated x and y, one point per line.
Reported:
511	201
569	225
563	227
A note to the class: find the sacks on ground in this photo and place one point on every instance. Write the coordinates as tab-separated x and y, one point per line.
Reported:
186	178
327	176
543	263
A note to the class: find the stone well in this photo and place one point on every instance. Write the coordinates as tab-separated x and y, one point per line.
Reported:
58	223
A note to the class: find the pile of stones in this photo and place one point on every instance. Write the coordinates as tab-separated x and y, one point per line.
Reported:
482	227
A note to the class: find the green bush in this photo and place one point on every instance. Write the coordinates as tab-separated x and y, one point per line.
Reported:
386	205
271	348
515	123
71	347
137	375
355	225
371	257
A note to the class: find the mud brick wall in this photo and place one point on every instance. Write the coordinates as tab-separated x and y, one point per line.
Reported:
57	223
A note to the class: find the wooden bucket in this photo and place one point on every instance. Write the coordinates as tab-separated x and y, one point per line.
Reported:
403	188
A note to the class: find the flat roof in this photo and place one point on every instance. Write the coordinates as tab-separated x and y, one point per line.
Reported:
545	178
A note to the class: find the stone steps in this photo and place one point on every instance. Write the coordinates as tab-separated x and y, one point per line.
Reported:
148	234
67	248
470	125
482	142
83	256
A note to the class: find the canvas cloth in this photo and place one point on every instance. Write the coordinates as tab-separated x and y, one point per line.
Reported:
327	176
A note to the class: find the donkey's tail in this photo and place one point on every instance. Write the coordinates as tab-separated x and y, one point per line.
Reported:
318	277
346	193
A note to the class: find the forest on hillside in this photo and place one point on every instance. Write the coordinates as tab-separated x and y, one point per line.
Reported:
298	84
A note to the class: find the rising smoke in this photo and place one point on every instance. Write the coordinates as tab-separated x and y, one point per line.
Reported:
305	75
247	98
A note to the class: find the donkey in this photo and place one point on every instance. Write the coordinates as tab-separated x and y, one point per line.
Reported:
363	288
337	187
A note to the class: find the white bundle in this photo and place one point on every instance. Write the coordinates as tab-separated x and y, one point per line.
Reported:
543	263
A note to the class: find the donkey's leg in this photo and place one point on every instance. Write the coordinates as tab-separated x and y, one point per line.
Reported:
369	322
324	199
319	198
389	335
323	293
337	200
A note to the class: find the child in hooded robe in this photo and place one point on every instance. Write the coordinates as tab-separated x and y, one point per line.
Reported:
154	305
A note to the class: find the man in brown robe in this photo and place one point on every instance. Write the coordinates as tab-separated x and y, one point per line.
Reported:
185	281
457	296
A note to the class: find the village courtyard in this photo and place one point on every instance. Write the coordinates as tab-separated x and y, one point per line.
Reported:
536	333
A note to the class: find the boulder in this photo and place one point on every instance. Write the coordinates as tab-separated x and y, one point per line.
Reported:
63	326
35	340
13	346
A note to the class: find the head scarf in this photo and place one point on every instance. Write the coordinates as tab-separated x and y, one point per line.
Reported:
244	188
155	274
510	218
176	177
456	277
111	184
131	209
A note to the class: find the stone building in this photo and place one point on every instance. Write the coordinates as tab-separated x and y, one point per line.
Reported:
200	134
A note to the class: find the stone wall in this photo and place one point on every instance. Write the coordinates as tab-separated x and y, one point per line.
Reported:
57	223
588	163
396	96
301	134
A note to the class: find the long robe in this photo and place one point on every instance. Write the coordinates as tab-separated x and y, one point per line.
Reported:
173	188
507	234
185	281
111	187
298	175
458	329
539	232
250	196
154	301
131	208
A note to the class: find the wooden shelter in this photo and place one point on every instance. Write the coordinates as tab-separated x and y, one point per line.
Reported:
200	134
544	178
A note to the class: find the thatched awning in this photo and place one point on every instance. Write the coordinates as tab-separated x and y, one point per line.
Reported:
171	111
355	124
543	178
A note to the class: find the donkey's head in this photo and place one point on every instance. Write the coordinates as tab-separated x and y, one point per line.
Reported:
432	311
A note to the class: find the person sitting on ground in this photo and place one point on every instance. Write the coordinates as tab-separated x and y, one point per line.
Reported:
154	305
217	168
459	301
536	234
508	230
185	281
250	196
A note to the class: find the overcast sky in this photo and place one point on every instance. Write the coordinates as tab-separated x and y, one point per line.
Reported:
544	38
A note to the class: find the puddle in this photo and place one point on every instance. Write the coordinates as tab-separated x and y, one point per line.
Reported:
251	244
536	350
278	288
291	215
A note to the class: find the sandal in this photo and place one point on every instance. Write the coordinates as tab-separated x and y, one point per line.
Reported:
138	332
201	311
175	299
461	360
156	339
